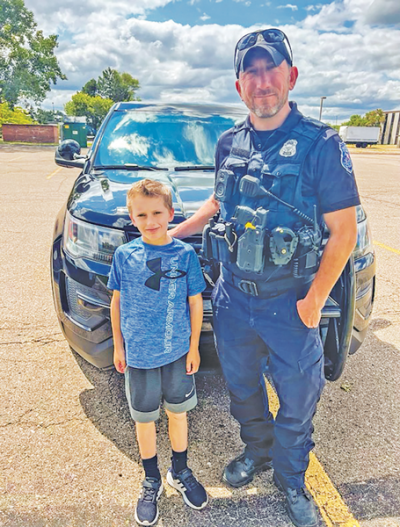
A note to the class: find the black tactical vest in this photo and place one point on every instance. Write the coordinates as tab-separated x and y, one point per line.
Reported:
280	170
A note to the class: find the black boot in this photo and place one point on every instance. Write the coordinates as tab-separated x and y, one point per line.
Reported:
299	505
241	470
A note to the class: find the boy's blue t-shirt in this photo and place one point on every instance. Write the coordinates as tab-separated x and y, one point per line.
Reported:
155	283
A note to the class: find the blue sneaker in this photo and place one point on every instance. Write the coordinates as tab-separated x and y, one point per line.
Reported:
146	512
193	492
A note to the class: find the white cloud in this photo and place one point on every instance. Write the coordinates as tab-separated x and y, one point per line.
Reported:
313	7
288	6
356	67
383	12
133	143
205	17
71	15
334	16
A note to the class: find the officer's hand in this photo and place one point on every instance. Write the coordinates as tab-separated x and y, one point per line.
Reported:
309	314
172	232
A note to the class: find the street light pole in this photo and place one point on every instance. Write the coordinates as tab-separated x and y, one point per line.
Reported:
320	108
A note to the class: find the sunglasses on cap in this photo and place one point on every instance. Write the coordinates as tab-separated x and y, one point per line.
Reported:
273	37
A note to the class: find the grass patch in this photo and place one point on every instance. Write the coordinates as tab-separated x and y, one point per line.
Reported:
376	148
2	142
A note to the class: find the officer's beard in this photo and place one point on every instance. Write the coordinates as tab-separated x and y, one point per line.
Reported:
266	111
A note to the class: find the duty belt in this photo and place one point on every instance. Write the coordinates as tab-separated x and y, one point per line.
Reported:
262	289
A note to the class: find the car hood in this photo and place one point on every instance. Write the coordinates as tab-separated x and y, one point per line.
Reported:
100	197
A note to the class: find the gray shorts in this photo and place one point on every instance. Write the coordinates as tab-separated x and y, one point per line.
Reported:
146	388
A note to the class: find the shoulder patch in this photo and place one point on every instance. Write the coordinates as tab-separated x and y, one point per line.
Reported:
345	158
289	148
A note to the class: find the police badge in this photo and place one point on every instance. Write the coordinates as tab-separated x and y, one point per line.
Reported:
289	148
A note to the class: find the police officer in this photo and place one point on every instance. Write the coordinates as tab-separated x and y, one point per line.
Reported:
279	175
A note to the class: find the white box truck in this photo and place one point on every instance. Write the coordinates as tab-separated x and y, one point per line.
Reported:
361	136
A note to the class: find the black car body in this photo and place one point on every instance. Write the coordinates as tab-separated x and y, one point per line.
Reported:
174	144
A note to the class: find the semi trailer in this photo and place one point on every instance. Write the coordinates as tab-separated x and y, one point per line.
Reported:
361	136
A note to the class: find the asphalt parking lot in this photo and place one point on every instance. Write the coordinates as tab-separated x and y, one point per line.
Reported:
69	457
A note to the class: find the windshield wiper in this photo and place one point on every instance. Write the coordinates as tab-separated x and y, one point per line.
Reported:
128	166
195	167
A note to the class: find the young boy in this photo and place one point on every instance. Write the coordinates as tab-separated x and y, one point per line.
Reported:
156	316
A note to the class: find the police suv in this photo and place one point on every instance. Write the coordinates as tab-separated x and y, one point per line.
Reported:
174	144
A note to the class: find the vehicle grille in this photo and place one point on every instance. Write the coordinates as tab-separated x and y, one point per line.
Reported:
72	290
93	302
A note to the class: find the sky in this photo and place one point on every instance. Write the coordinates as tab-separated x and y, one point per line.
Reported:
182	50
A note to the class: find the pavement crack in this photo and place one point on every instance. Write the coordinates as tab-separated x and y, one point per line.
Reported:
18	421
16	361
61	184
41	425
379	200
42	340
60	423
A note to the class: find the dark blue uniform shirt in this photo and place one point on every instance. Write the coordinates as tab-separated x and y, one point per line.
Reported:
327	173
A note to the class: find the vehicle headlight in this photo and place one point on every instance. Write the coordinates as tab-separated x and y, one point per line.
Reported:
361	216
364	238
85	240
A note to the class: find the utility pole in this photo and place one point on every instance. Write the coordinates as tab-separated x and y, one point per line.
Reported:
320	108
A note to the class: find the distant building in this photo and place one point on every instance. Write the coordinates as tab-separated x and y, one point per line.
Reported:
391	129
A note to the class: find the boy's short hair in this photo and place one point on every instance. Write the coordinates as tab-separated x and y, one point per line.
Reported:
151	189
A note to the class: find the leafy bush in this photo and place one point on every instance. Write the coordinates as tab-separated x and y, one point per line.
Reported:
15	116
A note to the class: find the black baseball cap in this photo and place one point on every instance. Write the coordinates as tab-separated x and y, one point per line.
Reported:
272	40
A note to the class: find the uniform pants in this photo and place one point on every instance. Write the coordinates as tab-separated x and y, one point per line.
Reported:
254	334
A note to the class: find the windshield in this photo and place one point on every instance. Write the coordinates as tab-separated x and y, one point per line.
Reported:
157	139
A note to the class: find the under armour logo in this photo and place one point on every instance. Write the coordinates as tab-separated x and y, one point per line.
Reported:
154	281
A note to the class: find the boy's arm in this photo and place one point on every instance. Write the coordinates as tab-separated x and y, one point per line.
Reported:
196	320
119	351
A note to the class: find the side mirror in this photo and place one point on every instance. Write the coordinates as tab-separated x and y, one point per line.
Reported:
68	154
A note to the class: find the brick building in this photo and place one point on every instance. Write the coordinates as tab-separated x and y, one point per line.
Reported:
30	133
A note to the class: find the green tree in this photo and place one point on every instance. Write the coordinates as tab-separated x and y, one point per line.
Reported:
28	65
117	86
13	116
375	117
94	108
46	116
372	118
90	88
355	120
